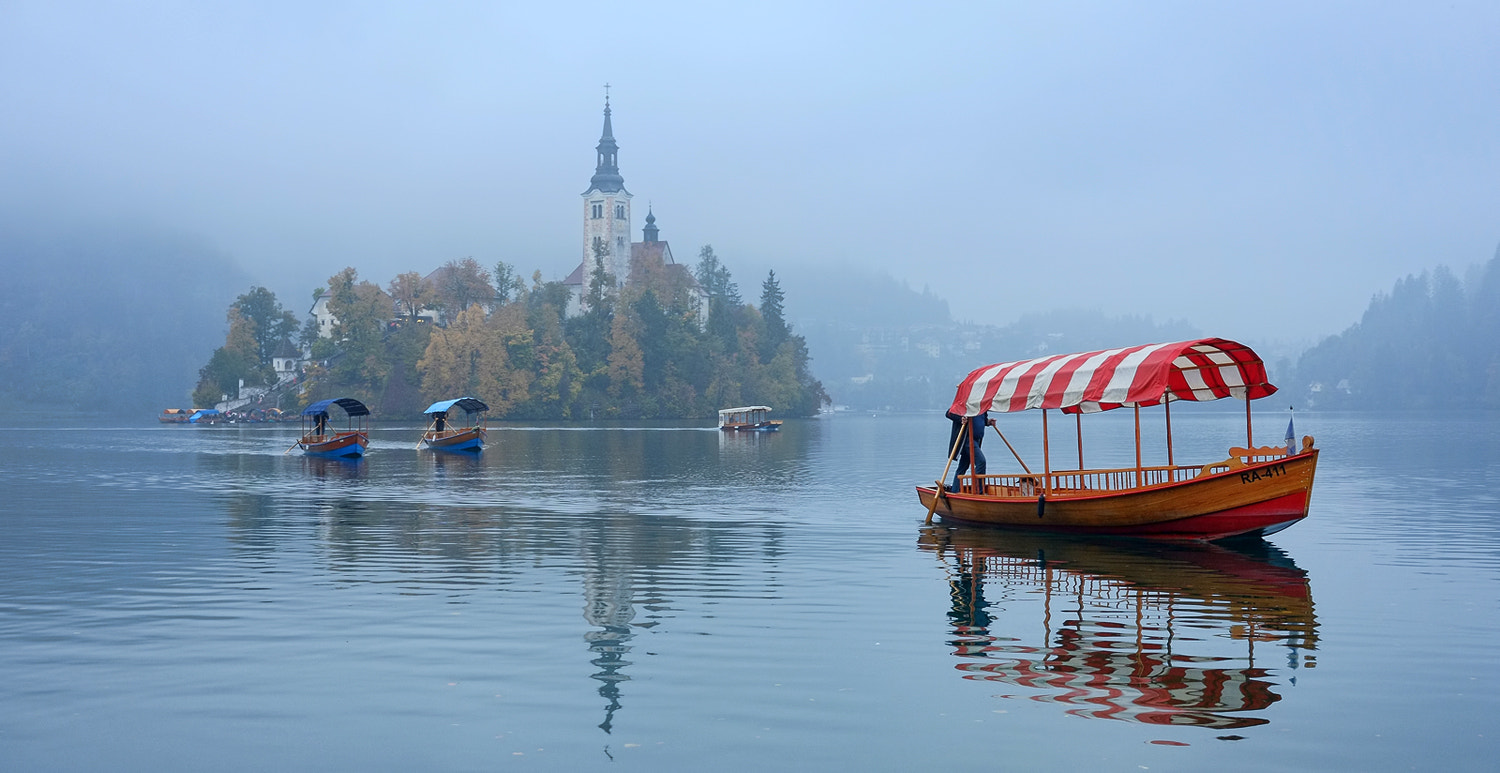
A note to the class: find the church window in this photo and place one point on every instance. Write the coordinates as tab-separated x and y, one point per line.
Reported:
620	242
598	210
619	211
598	243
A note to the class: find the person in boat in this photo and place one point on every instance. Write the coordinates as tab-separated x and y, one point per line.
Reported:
977	426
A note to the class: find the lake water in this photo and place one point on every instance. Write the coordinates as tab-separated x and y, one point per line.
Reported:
670	598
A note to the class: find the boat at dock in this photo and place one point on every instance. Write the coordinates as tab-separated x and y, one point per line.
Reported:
1252	491
443	435
318	439
750	418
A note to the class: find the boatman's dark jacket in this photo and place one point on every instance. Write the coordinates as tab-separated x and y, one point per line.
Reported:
976	426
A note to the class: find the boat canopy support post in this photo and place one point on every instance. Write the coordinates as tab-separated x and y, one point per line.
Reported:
1138	473
1168	405
1046	454
1249	435
1078	419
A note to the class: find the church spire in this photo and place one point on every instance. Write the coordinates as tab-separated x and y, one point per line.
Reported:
607	177
650	232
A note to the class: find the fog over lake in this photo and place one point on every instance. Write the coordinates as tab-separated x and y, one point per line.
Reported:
1258	170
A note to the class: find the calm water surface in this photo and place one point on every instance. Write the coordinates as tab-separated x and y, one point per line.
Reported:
668	598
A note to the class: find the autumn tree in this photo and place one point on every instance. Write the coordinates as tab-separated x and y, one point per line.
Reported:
626	363
236	360
361	310
461	284
411	294
469	358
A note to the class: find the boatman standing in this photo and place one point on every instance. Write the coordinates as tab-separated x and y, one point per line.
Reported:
973	440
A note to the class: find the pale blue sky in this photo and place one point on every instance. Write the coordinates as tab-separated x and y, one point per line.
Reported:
1257	168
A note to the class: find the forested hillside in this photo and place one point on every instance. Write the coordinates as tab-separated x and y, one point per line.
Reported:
106	318
1433	341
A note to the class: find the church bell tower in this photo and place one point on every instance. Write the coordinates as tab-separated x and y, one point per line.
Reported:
606	208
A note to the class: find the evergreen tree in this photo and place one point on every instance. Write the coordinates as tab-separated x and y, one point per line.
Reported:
591	330
272	324
723	298
776	330
508	284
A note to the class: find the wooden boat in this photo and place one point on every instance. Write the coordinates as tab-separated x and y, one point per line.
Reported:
1254	491
319	440
174	416
442	435
751	418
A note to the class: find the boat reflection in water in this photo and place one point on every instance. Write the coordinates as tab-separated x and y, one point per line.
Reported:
1163	634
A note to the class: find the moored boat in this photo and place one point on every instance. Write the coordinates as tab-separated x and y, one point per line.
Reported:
750	418
443	435
318	439
1254	491
175	416
206	416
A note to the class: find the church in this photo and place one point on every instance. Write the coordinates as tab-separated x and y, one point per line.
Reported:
606	224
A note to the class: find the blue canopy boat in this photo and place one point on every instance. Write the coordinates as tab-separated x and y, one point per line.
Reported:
442	435
319	440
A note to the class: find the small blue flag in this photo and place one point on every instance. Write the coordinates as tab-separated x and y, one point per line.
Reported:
1291	438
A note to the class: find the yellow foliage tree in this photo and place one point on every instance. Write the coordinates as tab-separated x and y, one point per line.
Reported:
469	359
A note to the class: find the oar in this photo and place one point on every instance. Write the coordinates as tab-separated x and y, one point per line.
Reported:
1012	450
424	432
940	491
290	447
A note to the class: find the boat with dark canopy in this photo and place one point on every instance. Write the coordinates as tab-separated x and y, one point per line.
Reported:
318	439
1253	491
443	435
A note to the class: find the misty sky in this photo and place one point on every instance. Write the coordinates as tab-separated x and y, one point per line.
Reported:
1257	168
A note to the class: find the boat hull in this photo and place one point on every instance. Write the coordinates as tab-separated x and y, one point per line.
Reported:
471	439
344	445
764	426
1256	499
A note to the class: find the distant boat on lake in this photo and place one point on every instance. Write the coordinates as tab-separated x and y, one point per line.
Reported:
751	418
318	440
442	435
1253	491
175	416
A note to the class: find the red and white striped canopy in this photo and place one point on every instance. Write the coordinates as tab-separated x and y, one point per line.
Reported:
1088	382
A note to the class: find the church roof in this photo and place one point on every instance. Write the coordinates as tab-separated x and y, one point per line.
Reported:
652	250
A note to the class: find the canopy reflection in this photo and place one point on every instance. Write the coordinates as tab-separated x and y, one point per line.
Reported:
1161	634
